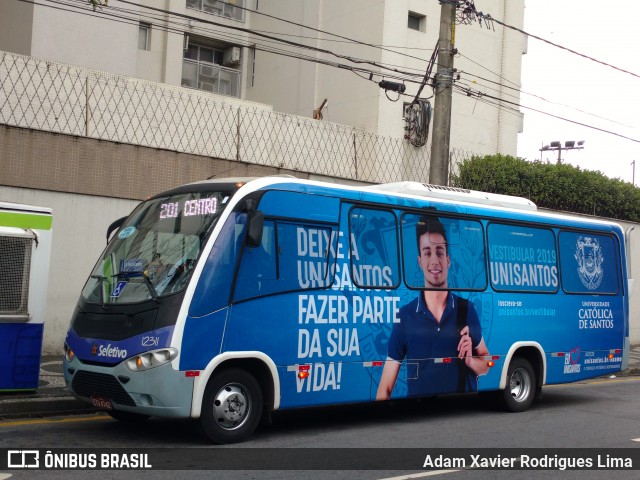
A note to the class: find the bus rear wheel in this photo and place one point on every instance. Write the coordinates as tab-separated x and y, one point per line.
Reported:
521	388
231	407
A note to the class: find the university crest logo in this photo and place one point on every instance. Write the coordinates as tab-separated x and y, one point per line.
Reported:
589	257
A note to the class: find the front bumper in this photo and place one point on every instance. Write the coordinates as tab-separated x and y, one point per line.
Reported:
160	391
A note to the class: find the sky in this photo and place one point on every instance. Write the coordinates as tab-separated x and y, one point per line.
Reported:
580	89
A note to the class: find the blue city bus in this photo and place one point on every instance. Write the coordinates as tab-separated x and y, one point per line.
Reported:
225	300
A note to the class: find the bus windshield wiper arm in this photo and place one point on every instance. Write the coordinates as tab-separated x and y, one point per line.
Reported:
141	273
101	278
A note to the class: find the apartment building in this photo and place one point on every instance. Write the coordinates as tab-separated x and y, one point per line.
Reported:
231	48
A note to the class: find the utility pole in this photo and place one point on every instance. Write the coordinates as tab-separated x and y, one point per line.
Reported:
439	170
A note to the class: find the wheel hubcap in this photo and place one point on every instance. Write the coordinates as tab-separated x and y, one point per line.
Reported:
231	406
520	385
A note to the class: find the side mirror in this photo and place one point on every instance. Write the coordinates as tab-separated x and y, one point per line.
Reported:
254	230
114	226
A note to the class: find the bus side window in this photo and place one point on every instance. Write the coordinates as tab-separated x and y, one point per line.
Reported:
291	257
589	263
464	248
374	248
258	266
522	258
306	255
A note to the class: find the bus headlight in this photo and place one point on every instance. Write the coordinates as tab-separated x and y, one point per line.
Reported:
68	353
152	359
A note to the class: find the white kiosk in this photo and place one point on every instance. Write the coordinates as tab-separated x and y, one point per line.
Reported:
25	250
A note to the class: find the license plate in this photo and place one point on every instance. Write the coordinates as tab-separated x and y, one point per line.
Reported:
101	403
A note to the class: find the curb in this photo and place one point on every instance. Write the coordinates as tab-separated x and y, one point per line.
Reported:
42	407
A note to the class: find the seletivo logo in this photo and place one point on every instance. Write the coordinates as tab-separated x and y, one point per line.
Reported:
108	351
590	259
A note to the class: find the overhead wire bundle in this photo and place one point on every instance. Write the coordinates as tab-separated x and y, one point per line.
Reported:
418	119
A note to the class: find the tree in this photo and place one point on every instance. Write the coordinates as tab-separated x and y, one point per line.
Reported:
557	187
98	3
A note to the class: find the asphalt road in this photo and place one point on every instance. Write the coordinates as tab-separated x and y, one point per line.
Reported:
599	414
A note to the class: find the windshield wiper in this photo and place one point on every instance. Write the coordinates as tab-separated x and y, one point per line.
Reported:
101	278
141	273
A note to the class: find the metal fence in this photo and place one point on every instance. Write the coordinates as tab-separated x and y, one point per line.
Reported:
65	99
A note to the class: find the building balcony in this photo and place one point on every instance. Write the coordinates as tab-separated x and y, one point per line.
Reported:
227	9
211	77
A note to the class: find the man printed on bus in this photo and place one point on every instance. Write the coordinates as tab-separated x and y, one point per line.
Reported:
435	326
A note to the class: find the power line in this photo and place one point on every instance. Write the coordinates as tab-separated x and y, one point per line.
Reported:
479	94
489	17
523	92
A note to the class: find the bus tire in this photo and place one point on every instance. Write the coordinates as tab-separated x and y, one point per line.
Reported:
520	391
128	417
231	407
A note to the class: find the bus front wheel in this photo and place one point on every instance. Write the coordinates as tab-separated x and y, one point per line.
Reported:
231	407
520	390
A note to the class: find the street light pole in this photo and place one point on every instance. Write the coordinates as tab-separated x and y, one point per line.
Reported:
633	175
568	145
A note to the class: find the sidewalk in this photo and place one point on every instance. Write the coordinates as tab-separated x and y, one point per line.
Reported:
52	397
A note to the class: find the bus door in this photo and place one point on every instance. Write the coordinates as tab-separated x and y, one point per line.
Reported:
289	303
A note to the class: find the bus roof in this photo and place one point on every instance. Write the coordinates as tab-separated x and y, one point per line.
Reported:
405	189
456	194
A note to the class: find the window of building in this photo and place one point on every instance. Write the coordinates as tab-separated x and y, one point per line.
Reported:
203	68
232	9
205	54
416	22
144	36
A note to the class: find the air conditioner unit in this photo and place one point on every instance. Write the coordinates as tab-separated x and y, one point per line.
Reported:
209	87
208	71
231	56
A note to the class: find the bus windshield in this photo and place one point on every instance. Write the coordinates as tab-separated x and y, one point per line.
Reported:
155	250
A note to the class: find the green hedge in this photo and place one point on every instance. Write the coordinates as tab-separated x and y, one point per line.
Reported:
558	187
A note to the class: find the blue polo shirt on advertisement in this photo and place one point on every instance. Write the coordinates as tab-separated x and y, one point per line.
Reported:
419	339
